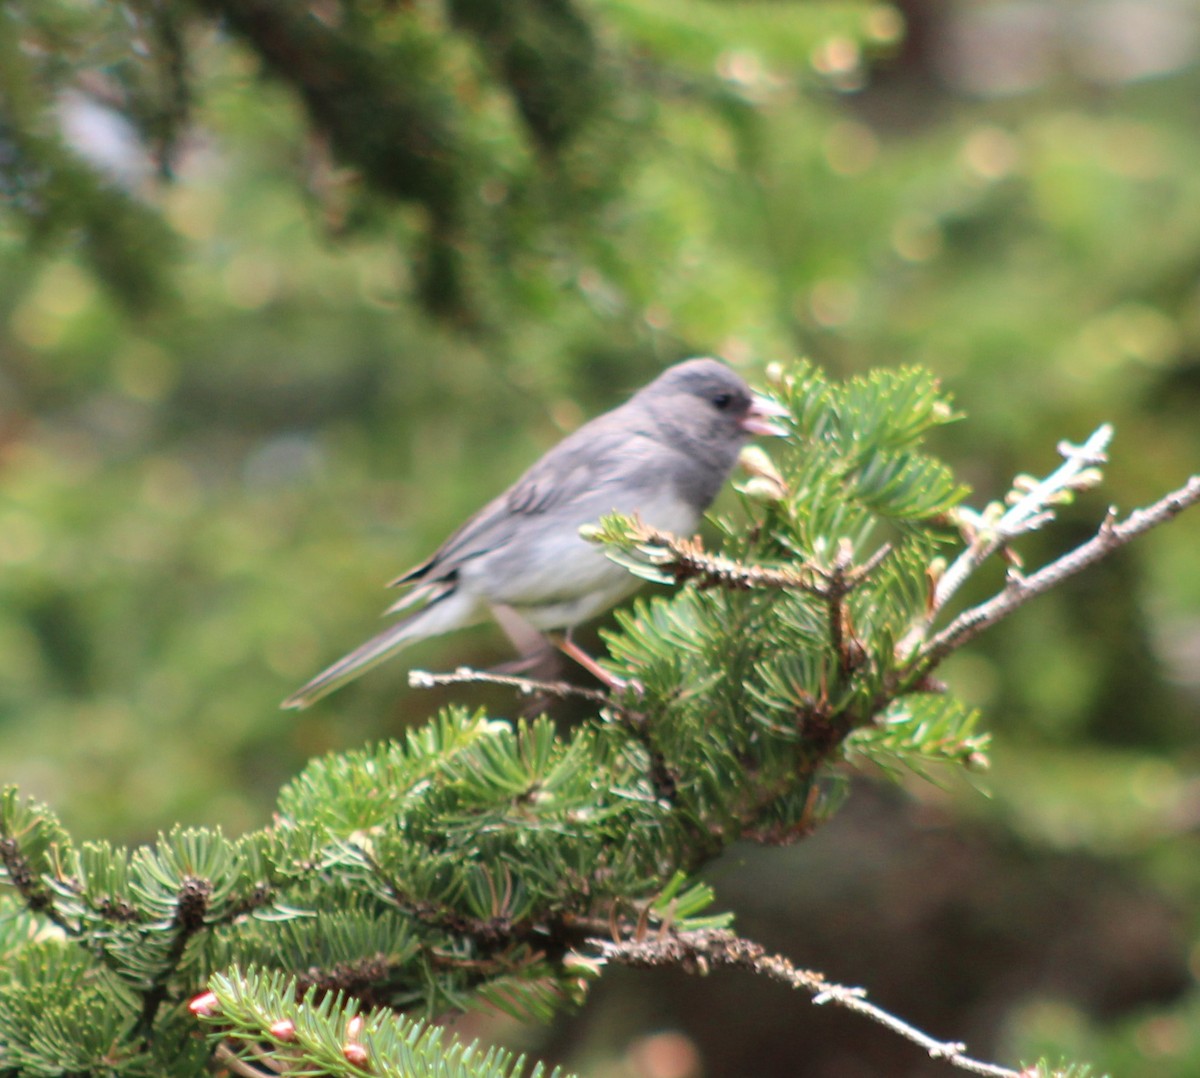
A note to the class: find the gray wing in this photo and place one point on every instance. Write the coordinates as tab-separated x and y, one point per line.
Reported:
582	462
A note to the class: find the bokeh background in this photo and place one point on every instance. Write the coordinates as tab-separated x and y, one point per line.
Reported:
287	290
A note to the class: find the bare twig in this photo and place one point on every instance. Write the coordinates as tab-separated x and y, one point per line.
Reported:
241	1067
970	623
1029	512
700	951
423	679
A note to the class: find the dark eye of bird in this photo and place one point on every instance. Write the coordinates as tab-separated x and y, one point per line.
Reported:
722	401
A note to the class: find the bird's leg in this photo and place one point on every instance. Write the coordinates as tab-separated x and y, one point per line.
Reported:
537	655
568	647
544	665
536	658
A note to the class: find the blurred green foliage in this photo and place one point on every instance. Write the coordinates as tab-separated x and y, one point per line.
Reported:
286	292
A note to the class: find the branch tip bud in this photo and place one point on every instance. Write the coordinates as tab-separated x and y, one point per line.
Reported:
283	1030
204	1005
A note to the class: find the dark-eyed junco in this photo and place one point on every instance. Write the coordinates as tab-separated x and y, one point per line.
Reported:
663	454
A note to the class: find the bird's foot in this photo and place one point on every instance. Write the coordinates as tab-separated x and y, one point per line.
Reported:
610	680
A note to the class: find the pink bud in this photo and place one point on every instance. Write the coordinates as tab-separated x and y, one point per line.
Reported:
204	1005
283	1030
354	1027
355	1053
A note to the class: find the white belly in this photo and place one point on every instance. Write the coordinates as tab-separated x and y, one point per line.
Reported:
560	579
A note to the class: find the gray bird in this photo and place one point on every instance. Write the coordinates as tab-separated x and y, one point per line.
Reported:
663	454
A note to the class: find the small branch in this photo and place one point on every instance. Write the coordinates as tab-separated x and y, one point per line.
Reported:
686	559
860	572
228	1058
423	679
190	910
1029	512
837	606
664	782
840	581
26	882
1110	537
700	951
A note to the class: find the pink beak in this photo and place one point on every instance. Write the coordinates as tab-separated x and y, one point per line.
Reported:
757	419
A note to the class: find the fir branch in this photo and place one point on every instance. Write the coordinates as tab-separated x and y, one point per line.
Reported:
26	882
848	576
190	912
1028	512
840	580
268	1026
1020	589
243	1068
31	842
360	979
782	834
917	730
661	776
699	951
677	560
494	936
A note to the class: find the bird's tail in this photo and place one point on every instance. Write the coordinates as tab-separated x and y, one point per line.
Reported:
347	668
446	612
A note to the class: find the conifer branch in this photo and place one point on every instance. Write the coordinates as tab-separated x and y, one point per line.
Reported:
660	774
676	560
663	778
189	919
232	1062
701	950
1020	589
1031	508
24	879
